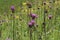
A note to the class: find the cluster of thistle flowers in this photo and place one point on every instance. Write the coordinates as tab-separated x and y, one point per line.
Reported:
32	22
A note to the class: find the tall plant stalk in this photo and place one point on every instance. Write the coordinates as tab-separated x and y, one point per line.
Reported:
13	26
44	23
31	28
30	32
13	23
0	32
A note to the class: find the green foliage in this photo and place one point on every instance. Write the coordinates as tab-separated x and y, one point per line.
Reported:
17	22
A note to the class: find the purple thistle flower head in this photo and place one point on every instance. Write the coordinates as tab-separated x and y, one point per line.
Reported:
33	16
31	23
49	16
12	8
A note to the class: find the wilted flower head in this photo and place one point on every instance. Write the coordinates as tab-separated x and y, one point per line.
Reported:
44	3
49	16
29	5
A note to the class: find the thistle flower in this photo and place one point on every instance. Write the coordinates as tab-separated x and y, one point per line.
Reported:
49	16
12	9
33	22
33	16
